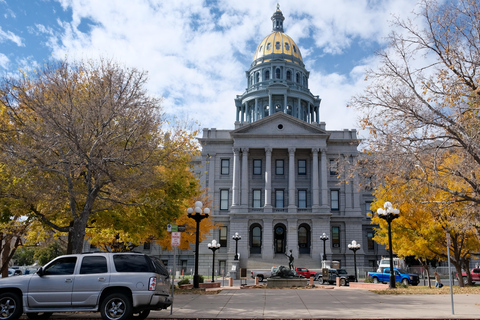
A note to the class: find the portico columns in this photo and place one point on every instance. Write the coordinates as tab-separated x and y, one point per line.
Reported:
315	187
244	177
268	178
236	177
323	166
291	180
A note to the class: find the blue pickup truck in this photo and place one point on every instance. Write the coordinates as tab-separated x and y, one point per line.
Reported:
400	276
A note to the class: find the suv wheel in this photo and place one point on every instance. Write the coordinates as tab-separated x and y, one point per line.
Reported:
343	282
141	315
116	306
10	306
39	315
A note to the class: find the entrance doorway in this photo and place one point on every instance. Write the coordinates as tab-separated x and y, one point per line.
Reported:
280	238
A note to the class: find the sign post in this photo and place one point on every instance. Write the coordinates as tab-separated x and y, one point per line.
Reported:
176	237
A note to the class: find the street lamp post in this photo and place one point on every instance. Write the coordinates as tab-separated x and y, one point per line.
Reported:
324	238
389	214
214	246
198	217
236	237
354	246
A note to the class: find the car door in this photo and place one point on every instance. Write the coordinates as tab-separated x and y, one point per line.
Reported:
53	287
91	279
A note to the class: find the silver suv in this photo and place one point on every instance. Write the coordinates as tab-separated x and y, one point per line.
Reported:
119	285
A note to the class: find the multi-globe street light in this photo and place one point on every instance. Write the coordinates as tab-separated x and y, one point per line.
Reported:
236	237
324	238
214	246
389	214
198	217
354	246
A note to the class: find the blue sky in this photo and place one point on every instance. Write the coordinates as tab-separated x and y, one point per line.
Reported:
197	52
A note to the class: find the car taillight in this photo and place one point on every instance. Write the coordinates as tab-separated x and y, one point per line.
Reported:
152	284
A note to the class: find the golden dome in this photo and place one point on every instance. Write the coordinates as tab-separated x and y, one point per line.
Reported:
278	43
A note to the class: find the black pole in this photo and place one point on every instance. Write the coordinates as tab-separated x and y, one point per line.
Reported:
196	279
236	249
355	263
324	253
213	265
392	272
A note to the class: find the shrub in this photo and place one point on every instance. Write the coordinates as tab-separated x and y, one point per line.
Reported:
182	282
200	279
368	280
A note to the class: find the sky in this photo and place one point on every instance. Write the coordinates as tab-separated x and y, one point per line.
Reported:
196	52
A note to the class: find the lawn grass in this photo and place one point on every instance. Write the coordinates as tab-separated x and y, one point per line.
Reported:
432	290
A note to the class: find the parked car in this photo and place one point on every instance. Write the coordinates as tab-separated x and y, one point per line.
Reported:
333	274
475	273
262	274
400	276
305	272
118	285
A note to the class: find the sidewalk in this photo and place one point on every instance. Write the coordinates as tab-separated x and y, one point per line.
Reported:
319	303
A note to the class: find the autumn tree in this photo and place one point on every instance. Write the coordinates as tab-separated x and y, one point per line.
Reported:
93	141
422	102
426	216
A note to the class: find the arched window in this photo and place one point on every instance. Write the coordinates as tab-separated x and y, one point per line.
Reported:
287	46
298	78
267	75
304	236
289	75
277	73
268	46
257	76
255	238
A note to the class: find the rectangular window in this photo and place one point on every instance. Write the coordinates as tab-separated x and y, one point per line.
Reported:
183	266
225	167
302	167
279	167
223	237
279	198
146	246
302	199
257	166
370	242
368	209
333	167
222	267
257	198
93	264
224	193
334	201
336	237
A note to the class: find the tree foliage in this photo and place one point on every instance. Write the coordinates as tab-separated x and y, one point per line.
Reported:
426	217
87	140
422	103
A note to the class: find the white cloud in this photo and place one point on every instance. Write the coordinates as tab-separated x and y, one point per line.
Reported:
3	61
197	56
8	35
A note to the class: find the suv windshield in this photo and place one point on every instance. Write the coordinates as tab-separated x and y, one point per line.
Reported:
342	271
159	266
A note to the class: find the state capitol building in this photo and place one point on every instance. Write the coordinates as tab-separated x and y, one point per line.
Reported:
273	179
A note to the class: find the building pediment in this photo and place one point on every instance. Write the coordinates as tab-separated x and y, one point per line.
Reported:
279	124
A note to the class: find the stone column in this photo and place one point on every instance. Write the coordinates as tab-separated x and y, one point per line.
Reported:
267	239
324	176
315	186
236	178
291	180
270	107
292	237
285	103
244	177
268	179
211	175
255	116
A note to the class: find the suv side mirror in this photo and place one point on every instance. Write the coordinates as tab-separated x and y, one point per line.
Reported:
40	271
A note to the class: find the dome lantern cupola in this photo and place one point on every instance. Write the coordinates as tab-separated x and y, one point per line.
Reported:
277	20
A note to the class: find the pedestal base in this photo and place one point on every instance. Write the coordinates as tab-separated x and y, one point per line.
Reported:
286	283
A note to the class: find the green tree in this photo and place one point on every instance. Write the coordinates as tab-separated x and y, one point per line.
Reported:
92	140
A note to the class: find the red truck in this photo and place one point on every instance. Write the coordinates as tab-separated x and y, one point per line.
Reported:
475	273
305	272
